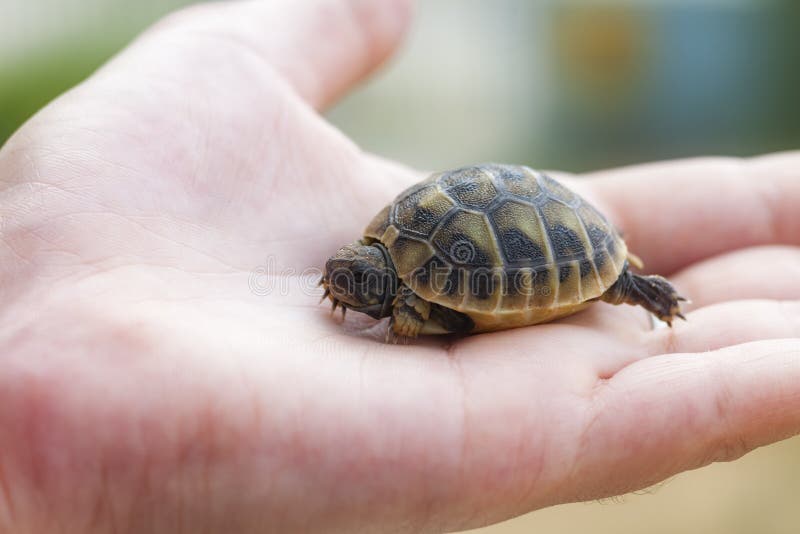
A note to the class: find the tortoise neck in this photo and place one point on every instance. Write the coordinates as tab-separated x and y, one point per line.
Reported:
390	282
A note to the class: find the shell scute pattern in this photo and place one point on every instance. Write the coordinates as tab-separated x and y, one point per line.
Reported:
558	192
520	234
421	211
409	253
499	238
470	187
517	181
564	229
468	240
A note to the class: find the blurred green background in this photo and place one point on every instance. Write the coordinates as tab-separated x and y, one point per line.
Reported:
572	84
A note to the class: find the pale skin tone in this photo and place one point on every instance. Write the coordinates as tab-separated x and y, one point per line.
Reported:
145	388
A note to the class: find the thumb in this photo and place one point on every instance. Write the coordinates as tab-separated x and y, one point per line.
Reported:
321	47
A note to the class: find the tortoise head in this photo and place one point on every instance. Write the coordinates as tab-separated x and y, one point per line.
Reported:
362	278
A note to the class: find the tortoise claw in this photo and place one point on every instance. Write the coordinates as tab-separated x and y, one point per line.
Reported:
391	337
325	295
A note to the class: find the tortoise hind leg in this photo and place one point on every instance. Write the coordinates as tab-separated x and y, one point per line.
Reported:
653	293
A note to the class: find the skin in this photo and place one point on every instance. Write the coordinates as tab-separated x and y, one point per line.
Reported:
146	388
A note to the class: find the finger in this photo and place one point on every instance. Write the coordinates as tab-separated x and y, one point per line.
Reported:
674	214
396	176
726	324
622	335
665	415
753	273
321	47
710	328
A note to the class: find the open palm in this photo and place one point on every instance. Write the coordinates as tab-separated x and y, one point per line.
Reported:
166	366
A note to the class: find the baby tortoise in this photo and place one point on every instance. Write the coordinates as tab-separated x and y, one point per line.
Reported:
488	247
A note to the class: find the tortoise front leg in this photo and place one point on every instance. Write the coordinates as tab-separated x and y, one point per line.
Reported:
446	321
409	314
413	315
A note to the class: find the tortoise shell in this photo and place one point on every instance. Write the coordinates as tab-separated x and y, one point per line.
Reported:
504	244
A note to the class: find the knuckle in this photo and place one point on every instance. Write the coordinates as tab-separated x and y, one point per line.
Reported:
730	448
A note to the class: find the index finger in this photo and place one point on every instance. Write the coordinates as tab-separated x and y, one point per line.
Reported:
676	213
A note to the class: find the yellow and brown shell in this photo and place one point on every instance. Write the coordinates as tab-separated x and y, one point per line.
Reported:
504	244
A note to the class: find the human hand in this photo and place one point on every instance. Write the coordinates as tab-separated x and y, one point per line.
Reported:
145	387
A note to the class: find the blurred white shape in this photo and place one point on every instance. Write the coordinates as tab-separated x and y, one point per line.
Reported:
471	83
